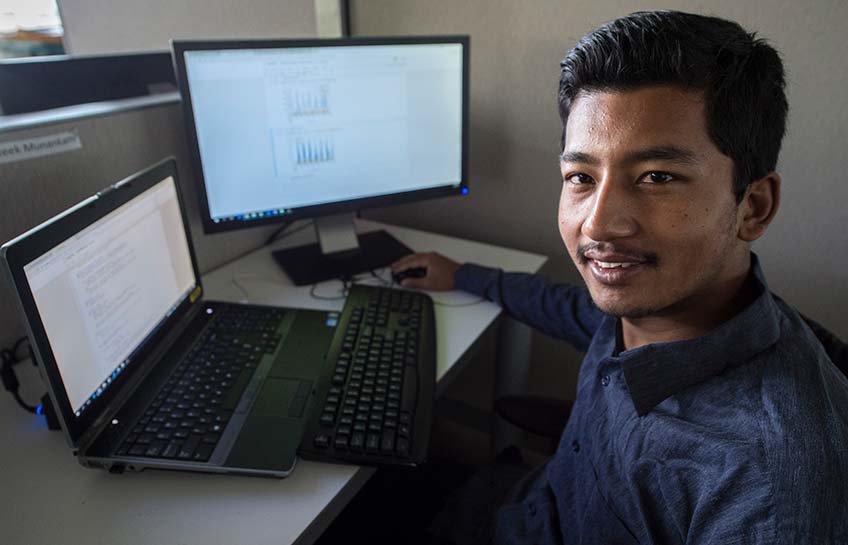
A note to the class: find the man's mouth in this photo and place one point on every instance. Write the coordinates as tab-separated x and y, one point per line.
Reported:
616	273
614	264
616	269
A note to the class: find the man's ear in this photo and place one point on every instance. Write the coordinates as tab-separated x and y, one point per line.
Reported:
758	207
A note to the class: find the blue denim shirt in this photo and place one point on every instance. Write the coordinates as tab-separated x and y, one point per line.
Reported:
737	437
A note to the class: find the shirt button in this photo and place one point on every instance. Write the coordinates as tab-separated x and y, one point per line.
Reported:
605	380
575	446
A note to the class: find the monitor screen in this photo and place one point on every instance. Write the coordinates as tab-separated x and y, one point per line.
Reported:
298	129
105	290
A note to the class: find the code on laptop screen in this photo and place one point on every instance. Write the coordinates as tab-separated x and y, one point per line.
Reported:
103	291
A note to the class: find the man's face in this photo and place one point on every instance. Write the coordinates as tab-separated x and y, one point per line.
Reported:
647	209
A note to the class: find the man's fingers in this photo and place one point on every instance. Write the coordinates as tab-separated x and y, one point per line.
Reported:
409	261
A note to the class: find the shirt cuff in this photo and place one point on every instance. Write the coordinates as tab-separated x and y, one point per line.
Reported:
474	278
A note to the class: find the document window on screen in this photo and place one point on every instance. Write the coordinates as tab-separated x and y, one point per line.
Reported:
288	128
103	291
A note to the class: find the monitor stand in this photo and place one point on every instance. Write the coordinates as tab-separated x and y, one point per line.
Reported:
339	253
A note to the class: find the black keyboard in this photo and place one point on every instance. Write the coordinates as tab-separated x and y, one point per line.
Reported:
185	420
375	400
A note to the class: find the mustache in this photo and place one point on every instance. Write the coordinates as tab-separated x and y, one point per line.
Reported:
649	258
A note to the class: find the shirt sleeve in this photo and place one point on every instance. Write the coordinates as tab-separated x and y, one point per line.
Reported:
562	311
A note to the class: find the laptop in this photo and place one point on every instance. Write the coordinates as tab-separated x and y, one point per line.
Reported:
142	370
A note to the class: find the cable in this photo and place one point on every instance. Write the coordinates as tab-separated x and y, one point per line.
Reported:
279	235
241	288
385	282
7	372
274	235
345	287
346	283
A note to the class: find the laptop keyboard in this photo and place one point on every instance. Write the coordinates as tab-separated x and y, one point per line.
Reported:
378	404
187	417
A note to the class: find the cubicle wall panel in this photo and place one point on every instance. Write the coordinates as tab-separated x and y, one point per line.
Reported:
113	147
109	26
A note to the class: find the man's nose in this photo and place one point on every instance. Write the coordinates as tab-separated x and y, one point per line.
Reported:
612	212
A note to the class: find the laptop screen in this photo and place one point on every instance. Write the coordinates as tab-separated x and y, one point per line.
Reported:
102	292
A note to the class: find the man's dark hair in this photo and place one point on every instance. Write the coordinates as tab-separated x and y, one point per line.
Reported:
741	77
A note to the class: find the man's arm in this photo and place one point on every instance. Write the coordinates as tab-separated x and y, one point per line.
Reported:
559	310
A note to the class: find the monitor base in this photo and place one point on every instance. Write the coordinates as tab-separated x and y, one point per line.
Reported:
307	264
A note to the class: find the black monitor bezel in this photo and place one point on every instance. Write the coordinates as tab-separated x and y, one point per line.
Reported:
21	251
178	49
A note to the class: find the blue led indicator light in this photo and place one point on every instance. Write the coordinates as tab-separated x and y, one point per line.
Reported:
39	409
465	191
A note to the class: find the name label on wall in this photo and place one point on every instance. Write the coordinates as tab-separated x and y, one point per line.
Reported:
30	148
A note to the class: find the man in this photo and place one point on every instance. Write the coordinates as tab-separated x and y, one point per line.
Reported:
706	411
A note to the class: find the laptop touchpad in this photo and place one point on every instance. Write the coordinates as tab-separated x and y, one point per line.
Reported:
269	437
275	397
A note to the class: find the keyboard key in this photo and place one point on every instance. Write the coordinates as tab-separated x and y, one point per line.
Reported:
155	448
357	442
203	453
387	443
172	449
402	447
188	448
372	442
322	441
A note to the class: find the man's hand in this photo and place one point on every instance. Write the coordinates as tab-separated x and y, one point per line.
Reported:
440	271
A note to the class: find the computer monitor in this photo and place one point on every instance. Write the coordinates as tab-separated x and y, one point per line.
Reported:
283	130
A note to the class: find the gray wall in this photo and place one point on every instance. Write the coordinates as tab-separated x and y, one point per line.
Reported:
111	26
515	52
118	144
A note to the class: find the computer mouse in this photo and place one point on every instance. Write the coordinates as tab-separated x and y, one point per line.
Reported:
414	272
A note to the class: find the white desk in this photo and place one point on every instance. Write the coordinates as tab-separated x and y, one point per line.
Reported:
47	498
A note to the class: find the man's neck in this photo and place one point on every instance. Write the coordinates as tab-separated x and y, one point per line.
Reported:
694	317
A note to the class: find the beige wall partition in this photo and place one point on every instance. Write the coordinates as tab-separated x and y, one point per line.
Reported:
516	47
118	26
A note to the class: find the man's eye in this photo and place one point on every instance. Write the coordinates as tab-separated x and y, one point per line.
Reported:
658	177
578	178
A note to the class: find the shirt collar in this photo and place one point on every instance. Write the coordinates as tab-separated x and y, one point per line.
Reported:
656	371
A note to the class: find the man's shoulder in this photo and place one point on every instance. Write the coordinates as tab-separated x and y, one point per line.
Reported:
805	429
804	409
797	368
